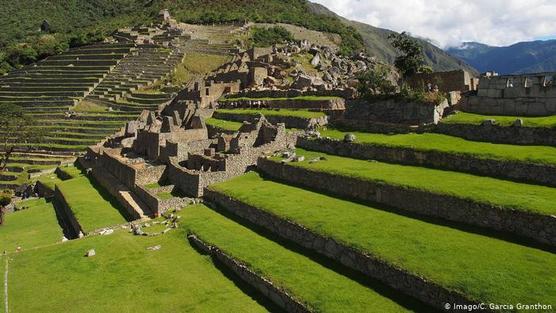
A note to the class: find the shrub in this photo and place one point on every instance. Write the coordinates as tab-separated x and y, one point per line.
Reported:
264	37
375	82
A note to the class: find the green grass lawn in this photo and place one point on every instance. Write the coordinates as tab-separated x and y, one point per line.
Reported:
455	145
484	268
123	276
299	98
320	288
92	208
49	180
33	227
503	193
477	119
223	124
71	171
268	112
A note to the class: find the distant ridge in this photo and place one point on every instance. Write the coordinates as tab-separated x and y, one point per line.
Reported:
519	58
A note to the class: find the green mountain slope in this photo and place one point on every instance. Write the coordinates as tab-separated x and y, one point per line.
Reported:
523	57
377	44
74	22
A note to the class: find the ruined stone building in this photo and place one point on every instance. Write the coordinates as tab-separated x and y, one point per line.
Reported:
517	95
176	152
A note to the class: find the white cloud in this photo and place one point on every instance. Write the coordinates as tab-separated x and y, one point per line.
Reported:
450	22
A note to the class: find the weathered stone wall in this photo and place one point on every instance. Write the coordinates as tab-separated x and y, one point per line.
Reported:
289	121
541	228
149	174
321	105
515	95
394	111
542	136
64	212
513	170
458	80
292	93
273	293
123	172
389	274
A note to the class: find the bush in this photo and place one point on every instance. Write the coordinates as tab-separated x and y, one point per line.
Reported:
264	37
375	82
21	54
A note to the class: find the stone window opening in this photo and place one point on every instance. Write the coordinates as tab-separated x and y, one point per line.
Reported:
528	82
548	81
510	83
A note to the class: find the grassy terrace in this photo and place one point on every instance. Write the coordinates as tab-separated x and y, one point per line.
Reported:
320	288
455	145
223	124
92	208
476	119
300	98
123	277
507	194
473	264
33	227
268	112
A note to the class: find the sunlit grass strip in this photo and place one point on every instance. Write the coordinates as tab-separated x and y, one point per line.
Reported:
472	264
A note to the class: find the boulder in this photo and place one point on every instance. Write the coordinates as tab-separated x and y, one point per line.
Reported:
316	60
349	137
302	81
518	123
90	253
489	122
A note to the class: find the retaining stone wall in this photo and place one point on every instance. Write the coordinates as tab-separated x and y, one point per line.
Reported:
289	121
322	105
395	111
66	214
275	294
541	228
397	278
542	136
512	170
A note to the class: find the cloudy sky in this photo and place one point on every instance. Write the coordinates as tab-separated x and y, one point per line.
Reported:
450	22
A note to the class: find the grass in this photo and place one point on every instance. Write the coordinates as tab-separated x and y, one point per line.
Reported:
30	228
196	64
164	195
123	276
223	124
91	207
88	106
319	287
299	98
454	145
476	119
481	267
503	193
268	112
71	171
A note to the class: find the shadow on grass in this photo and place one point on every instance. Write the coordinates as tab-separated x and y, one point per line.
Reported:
377	286
109	198
508	237
241	284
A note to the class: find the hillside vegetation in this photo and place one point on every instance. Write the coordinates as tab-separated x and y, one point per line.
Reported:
78	22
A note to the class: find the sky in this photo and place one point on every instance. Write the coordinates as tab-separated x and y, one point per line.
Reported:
448	23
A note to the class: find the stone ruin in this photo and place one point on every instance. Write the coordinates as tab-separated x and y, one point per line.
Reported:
175	150
263	70
517	95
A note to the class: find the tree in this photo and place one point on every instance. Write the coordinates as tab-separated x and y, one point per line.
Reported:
411	59
374	82
15	128
5	199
